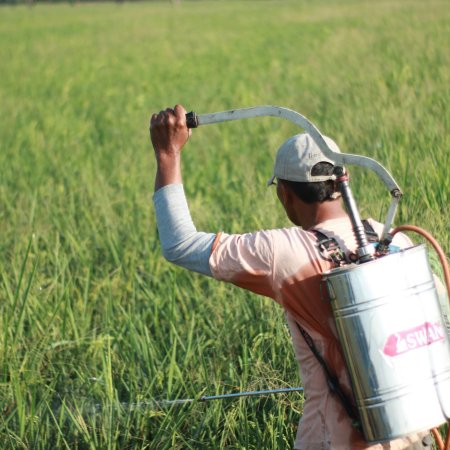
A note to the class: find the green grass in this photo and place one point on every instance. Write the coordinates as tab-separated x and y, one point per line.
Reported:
92	316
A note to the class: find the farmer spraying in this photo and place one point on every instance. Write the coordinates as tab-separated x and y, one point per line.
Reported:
285	265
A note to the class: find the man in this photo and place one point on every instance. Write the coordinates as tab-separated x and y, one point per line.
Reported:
284	264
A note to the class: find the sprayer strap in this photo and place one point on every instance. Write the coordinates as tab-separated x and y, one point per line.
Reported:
332	380
371	234
330	250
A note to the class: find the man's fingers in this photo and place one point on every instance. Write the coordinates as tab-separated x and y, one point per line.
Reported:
170	119
156	121
180	112
162	118
169	112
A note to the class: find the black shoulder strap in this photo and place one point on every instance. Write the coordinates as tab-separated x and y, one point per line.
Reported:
332	380
329	249
372	236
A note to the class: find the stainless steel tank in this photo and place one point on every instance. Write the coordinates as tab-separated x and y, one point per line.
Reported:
395	343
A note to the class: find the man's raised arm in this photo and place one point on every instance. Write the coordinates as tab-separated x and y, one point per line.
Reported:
180	241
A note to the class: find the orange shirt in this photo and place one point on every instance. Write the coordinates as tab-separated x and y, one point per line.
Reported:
285	265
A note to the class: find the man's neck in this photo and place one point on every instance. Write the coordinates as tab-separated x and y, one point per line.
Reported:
315	214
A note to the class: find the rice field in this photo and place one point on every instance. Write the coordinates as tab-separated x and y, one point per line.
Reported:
95	326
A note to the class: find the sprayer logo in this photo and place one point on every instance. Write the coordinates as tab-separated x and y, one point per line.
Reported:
407	340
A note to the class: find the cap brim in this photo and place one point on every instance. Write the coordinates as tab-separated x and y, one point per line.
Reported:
271	181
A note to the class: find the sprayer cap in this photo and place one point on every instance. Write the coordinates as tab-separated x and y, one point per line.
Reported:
297	156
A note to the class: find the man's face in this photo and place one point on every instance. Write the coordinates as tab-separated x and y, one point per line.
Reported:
279	193
286	197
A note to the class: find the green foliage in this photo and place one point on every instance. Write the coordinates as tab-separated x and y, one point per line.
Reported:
93	319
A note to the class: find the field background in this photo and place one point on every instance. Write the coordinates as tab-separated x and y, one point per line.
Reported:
93	320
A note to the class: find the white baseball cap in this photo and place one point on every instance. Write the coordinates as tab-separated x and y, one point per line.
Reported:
297	156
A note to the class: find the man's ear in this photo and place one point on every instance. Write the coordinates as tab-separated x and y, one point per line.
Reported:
286	193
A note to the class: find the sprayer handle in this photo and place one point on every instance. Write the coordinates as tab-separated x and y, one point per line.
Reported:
191	120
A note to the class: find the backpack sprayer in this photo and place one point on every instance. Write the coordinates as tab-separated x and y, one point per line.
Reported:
386	308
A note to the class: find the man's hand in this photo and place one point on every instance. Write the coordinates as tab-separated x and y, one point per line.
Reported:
169	133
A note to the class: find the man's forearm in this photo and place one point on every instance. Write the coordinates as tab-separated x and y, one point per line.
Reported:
168	133
168	170
181	243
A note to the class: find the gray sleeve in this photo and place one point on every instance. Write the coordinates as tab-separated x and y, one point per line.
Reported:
181	243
